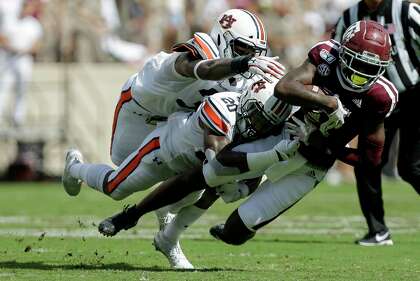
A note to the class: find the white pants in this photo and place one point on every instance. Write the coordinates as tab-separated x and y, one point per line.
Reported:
142	169
271	199
130	126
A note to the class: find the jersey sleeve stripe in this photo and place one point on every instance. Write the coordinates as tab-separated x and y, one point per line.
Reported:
391	96
205	46
132	165
216	120
209	100
185	47
207	122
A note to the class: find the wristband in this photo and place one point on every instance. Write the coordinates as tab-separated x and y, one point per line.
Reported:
240	64
196	67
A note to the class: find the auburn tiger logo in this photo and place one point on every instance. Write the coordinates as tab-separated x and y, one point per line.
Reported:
226	21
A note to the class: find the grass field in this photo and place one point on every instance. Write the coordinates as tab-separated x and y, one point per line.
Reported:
45	235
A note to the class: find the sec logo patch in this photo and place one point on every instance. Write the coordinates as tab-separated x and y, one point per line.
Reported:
323	69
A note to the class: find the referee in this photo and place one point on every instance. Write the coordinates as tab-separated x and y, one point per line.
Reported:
402	20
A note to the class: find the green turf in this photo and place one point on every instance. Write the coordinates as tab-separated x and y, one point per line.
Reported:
45	235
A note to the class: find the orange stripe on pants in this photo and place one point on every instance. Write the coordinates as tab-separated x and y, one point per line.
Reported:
133	164
125	97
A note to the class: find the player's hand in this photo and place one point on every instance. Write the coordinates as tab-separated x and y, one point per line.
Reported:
231	192
286	149
335	119
266	66
299	129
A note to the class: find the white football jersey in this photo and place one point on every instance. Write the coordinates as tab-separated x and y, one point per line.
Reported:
182	139
162	91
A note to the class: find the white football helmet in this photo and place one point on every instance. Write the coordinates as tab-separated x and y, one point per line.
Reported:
259	111
239	32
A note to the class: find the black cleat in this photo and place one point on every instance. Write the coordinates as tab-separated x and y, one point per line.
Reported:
376	239
217	231
126	219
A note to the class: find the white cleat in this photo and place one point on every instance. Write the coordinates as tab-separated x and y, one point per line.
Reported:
172	252
164	218
71	184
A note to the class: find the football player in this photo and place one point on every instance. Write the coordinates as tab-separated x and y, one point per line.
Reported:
178	81
178	146
352	70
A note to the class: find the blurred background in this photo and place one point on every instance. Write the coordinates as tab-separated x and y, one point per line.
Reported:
63	63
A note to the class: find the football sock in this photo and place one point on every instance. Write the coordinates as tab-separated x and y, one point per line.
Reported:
92	174
182	221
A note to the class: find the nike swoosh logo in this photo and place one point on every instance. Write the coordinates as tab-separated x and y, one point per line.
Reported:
381	237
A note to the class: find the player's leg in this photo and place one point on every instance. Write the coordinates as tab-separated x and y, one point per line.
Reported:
23	74
268	202
142	169
369	189
409	148
167	241
129	127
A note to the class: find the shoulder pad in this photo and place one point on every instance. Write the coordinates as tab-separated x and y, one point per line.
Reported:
381	98
200	46
205	46
324	52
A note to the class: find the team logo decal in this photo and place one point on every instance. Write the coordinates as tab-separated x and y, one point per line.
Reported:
357	102
325	55
323	69
258	86
226	21
351	31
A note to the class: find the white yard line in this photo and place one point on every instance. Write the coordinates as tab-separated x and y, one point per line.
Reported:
82	226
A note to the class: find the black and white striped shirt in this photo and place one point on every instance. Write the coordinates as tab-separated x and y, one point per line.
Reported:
402	20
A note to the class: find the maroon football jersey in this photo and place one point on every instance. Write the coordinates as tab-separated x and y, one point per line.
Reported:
375	103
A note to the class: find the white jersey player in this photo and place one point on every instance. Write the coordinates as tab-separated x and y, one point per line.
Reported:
178	81
170	149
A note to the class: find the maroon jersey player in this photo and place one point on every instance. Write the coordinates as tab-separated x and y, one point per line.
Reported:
353	71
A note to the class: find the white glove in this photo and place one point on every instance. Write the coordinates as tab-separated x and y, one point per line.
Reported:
231	192
300	130
335	119
287	148
263	65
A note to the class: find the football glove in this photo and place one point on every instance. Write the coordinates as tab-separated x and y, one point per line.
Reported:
231	192
286	148
266	66
335	119
301	130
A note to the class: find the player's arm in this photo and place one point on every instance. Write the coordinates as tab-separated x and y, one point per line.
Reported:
229	165
291	89
219	69
370	146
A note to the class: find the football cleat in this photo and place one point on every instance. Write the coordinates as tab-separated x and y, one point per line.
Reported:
126	219
172	252
376	239
71	184
217	231
164	218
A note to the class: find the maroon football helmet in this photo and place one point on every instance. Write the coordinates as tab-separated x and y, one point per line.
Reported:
364	54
